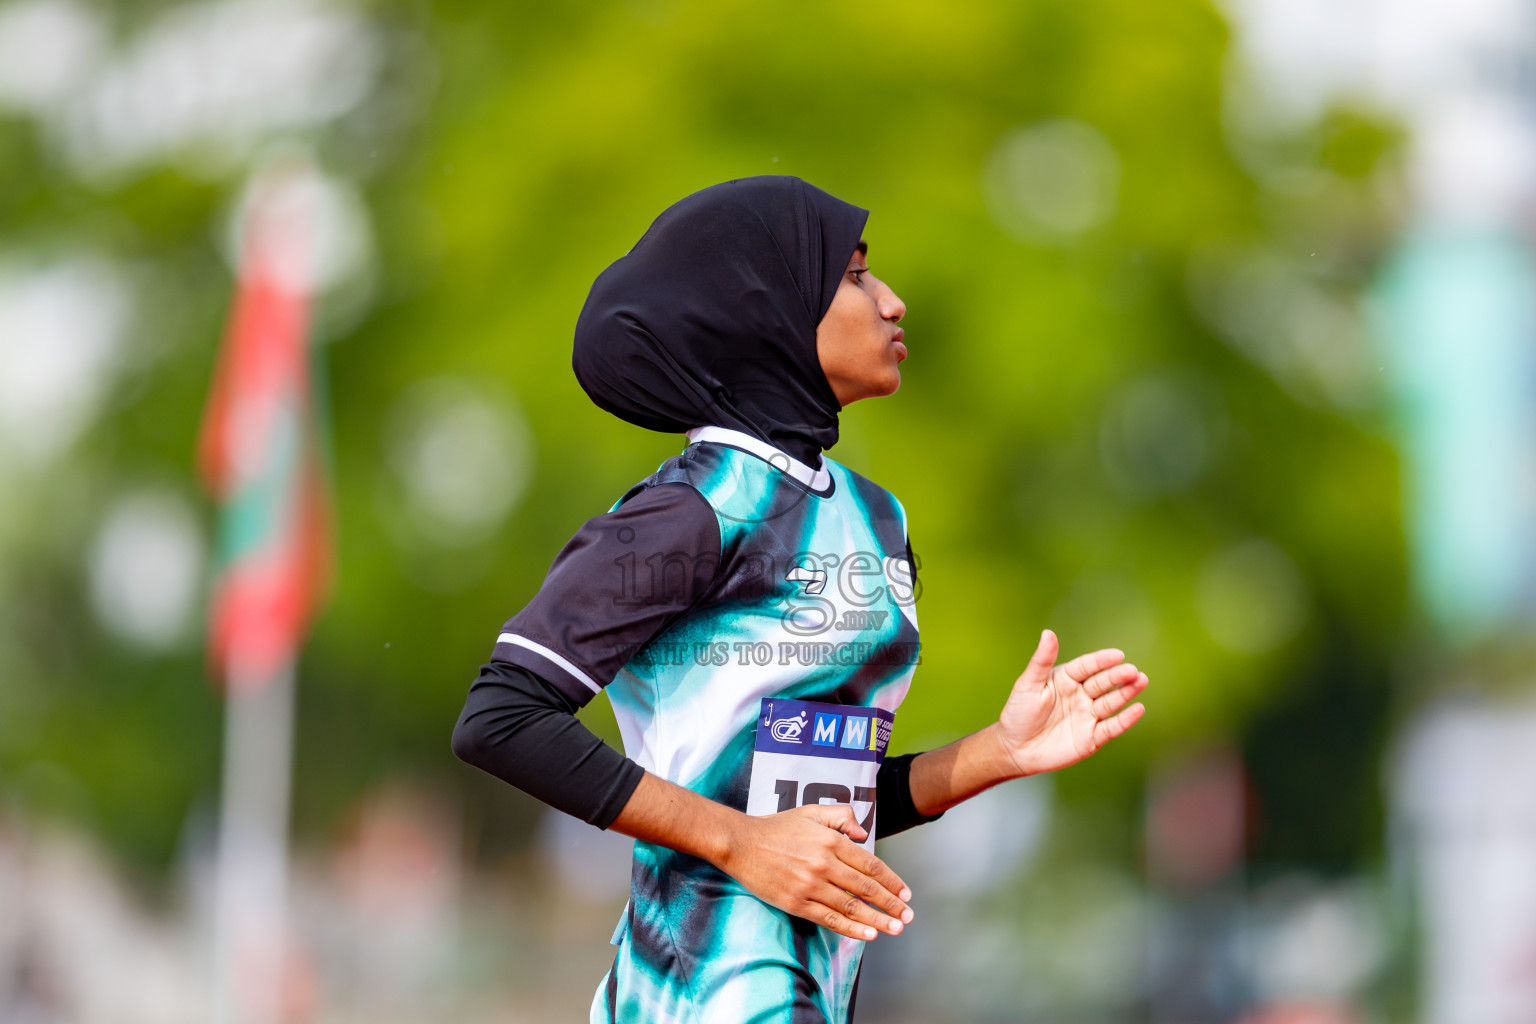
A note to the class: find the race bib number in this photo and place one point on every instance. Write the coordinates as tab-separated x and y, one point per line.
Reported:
812	753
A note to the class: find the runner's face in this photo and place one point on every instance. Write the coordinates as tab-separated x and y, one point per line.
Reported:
858	342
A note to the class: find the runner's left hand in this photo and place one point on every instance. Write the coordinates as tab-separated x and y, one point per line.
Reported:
1059	714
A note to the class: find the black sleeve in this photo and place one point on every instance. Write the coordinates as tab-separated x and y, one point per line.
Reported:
524	731
624	577
894	810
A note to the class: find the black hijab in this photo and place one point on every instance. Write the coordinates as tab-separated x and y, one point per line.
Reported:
711	318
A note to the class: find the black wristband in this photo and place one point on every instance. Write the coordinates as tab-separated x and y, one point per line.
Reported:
894	810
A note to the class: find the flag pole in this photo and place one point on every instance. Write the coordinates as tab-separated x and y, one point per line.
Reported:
251	919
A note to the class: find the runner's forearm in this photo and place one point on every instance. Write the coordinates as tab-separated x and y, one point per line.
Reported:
949	775
669	815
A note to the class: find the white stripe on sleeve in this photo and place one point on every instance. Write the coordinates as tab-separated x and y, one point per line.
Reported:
540	649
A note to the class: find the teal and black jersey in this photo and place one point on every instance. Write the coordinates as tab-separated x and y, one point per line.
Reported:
759	661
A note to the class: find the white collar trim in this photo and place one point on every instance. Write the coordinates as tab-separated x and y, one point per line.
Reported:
818	479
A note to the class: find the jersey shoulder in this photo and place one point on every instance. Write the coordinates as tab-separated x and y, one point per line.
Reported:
743	489
747	492
879	503
683	468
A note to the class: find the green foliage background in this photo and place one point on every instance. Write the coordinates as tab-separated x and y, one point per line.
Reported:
551	136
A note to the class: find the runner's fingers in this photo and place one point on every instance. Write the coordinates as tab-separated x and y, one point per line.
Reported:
870	891
861	920
1101	683
1085	665
828	917
866	863
1116	699
1113	728
851	906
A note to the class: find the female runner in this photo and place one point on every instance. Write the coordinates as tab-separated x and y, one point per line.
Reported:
749	609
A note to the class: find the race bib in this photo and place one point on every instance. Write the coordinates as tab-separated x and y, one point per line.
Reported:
812	753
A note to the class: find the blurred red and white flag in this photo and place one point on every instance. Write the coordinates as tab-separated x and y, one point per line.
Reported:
259	452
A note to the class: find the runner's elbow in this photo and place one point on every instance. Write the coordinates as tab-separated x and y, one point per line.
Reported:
468	742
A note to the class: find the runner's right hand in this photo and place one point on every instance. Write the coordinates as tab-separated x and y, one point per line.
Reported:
806	862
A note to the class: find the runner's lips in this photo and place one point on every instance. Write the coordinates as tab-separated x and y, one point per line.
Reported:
901	348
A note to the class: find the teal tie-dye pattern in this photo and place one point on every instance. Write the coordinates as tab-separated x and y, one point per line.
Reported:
694	945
